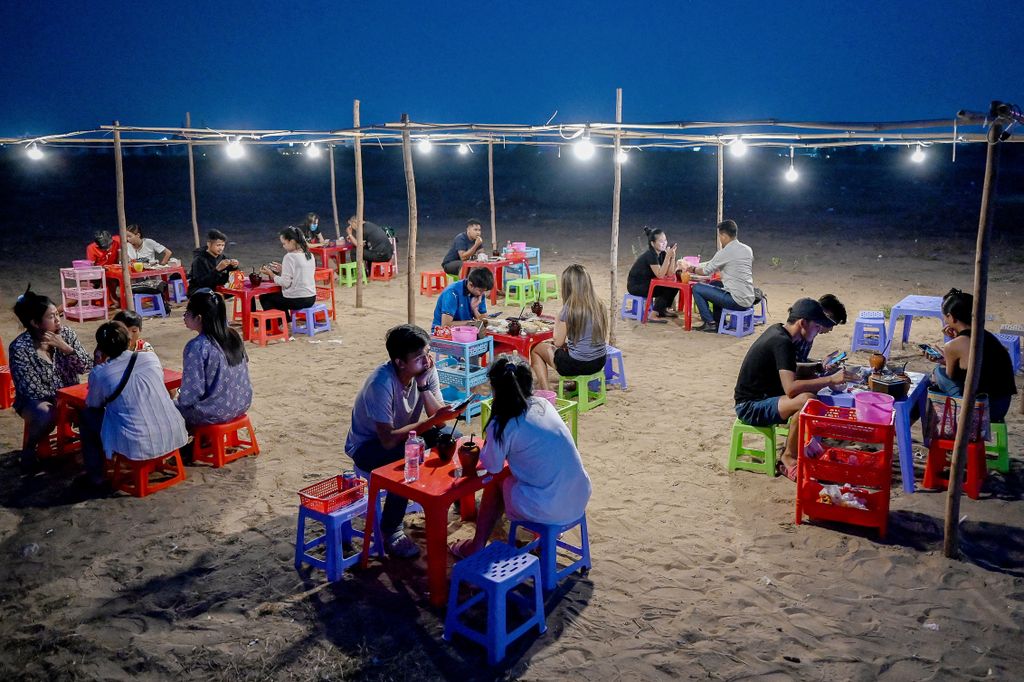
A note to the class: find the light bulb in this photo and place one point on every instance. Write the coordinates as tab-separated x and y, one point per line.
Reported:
463	149
425	145
738	148
235	150
918	155
792	175
584	149
696	149
34	152
313	152
622	156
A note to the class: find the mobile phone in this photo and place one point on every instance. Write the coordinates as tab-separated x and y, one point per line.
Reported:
833	359
931	351
494	315
462	406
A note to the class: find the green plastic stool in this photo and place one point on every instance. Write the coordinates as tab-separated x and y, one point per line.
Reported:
451	278
586	398
347	274
762	460
567	410
547	286
519	292
1000	449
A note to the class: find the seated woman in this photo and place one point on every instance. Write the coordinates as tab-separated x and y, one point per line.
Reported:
215	385
295	275
548	483
657	261
46	357
996	371
311	229
128	410
579	343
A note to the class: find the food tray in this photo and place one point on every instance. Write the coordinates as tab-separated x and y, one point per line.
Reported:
327	496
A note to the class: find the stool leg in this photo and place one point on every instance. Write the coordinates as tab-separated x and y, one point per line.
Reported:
497	625
549	559
300	538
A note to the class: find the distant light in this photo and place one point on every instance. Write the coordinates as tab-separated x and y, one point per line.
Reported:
425	145
313	152
235	150
34	152
463	148
696	149
622	156
792	175
584	149
918	155
738	148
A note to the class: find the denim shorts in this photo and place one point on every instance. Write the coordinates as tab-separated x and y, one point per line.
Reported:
760	412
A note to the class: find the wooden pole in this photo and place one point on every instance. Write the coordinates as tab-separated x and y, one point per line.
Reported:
410	191
334	194
490	187
951	543
192	181
616	195
359	205
122	222
720	213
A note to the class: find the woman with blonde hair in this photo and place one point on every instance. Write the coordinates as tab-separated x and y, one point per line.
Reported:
581	331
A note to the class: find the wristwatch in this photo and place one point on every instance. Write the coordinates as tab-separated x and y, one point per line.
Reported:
422	388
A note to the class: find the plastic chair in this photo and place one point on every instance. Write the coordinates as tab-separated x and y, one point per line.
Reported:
347	273
323	278
220	444
451	278
614	368
6	387
497	569
1012	345
382	272
548	539
737	323
869	332
586	395
547	286
760	460
519	292
269	325
938	460
761	317
176	290
150	305
1000	449
132	476
312	320
433	282
338	532
632	307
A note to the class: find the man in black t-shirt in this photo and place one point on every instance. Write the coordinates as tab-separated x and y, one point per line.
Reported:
767	390
464	247
376	244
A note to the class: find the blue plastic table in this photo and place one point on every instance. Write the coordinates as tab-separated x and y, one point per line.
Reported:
910	307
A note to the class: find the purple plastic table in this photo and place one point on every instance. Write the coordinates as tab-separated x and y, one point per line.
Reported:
910	307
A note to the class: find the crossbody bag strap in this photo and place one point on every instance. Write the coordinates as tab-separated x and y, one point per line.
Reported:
124	379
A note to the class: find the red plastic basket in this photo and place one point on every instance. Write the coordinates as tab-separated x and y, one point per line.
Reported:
850	466
875	516
328	495
840	423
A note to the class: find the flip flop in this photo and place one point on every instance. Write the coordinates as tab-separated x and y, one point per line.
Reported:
461	548
788	471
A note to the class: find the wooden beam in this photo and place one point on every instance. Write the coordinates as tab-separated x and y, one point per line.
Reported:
122	222
359	206
410	191
616	196
192	182
490	188
720	212
334	193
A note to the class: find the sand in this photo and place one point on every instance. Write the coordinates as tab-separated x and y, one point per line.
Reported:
697	572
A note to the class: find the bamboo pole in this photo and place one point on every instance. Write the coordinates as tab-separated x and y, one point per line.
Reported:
334	194
410	190
720	212
359	205
490	187
192	181
616	196
951	542
122	222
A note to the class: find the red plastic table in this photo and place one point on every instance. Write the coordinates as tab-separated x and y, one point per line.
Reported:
436	490
497	268
164	273
325	252
523	343
683	305
246	294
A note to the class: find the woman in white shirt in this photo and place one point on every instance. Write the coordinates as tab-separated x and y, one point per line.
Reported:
294	275
548	483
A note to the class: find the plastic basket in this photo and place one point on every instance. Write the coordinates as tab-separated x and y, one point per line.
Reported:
80	264
944	416
519	246
840	423
464	334
328	495
875	516
840	465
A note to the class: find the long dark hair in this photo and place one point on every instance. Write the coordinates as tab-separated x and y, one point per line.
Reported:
511	387
30	307
296	235
209	308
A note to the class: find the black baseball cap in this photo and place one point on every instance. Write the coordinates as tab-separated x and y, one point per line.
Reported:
810	310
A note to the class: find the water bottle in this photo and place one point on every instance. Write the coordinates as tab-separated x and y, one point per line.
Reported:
413	450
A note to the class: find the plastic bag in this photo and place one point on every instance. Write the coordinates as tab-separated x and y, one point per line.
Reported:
843	496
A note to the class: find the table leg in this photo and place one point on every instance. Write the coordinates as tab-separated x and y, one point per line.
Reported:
437	552
246	315
893	314
371	519
497	284
922	414
903	443
686	300
907	321
647	303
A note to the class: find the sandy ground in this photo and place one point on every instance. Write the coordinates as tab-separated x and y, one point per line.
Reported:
697	572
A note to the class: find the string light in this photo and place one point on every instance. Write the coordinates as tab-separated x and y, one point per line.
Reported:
463	149
34	152
738	148
235	150
918	155
313	152
425	145
791	174
584	148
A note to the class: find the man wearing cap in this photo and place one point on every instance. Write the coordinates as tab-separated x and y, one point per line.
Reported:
767	390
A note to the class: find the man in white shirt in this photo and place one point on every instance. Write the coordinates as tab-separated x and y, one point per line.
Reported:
735	291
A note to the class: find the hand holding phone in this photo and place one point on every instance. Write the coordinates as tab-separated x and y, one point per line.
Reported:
931	352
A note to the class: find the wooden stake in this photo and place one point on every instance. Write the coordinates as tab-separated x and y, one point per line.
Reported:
410	191
359	205
720	213
192	181
490	187
334	194
616	195
951	542
122	221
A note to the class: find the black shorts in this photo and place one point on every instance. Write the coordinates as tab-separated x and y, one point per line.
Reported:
568	366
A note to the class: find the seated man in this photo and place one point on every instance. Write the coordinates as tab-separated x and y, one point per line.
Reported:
376	244
464	247
835	310
767	390
389	406
210	267
104	250
464	300
146	250
735	291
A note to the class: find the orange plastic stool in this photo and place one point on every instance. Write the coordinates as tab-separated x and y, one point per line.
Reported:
323	278
47	447
6	387
132	476
939	459
236	309
220	444
382	271
433	282
269	325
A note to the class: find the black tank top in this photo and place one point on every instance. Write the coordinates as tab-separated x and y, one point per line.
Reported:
996	378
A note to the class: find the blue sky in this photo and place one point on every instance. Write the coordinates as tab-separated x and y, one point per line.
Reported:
66	66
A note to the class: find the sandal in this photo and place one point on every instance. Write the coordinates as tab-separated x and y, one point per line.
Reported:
788	471
461	549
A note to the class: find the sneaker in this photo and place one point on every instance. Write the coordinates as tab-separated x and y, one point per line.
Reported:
709	327
666	313
401	547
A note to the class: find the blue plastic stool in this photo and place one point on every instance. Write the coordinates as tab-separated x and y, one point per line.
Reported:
633	307
176	290
548	540
737	323
156	305
497	569
869	332
337	532
1012	345
307	320
614	368
762	317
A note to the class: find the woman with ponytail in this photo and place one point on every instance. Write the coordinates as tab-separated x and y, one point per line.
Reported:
548	483
295	275
658	261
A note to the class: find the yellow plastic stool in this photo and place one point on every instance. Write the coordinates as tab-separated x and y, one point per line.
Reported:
749	458
547	286
347	273
999	452
586	397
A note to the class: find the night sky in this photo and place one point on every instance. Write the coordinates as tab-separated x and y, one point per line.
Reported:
68	66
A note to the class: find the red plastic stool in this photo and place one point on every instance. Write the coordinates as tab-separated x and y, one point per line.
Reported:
220	444
382	271
6	387
47	447
433	282
236	309
269	325
323	278
132	476
939	459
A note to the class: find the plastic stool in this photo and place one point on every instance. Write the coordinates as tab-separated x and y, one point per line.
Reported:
6	388
548	540
633	307
737	323
176	290
614	368
1000	448
433	282
762	460
46	447
312	320
451	278
338	532
761	317
132	476
268	325
382	272
938	460
1012	345
586	396
220	444
519	292
869	332
236	309
150	305
497	569
347	273
547	286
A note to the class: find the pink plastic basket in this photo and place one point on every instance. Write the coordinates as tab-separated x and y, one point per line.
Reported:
519	246
463	334
81	264
550	396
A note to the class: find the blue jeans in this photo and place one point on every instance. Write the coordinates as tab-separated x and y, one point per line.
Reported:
703	294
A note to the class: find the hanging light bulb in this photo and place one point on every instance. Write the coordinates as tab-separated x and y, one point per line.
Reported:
791	174
696	149
235	149
34	152
463	148
738	148
622	156
313	152
584	148
918	155
425	145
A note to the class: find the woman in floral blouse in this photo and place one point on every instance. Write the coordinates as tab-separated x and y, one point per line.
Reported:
45	358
